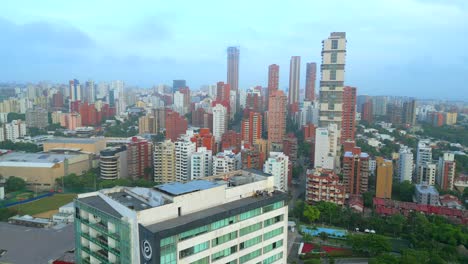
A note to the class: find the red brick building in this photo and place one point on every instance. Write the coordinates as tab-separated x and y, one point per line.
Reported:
324	185
309	132
290	147
251	128
367	114
204	138
139	158
348	123
355	171
231	141
311	76
176	125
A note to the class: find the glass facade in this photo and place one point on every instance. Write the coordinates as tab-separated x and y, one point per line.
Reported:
273	258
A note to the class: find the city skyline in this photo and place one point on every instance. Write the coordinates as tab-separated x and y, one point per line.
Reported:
386	55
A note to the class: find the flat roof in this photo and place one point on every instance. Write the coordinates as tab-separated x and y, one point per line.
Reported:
98	202
74	140
42	159
426	189
178	188
34	245
211	214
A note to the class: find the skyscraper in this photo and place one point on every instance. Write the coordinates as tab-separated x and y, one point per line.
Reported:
273	80
233	77
409	112
294	80
90	93
177	84
348	124
75	90
311	76
277	117
332	82
233	67
252	128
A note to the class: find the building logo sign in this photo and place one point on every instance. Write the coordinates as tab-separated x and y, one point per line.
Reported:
146	250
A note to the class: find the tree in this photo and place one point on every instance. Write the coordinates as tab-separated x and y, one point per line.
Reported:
15	116
311	213
368	199
404	191
328	210
323	236
14	184
384	259
395	223
371	245
298	210
411	256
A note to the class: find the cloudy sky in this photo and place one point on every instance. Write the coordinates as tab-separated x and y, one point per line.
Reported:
395	47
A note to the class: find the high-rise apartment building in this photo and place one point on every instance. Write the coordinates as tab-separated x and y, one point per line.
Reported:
201	163
277	117
164	161
273	80
384	178
75	90
348	124
37	117
223	92
90	92
14	130
367	112
113	163
446	171
176	125
426	173
332	82
294	80
324	185
326	147
405	165
219	221
184	148
423	154
308	113
409	112
252	158
251	128
379	105
233	67
277	165
220	121
226	161
231	140
139	158
356	171
311	77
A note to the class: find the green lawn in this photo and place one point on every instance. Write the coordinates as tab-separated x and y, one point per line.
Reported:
44	205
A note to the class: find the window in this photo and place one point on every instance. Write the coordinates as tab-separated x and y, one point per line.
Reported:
222	223
250	214
273	233
334	57
332	75
168	251
273	220
272	246
251	228
273	258
194	232
272	207
250	256
202	261
334	44
250	242
194	250
232	262
223	253
223	239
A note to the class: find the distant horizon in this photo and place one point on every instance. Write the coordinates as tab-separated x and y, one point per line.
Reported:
394	46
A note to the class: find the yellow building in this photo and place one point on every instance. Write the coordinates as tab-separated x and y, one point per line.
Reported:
40	170
384	178
451	118
88	145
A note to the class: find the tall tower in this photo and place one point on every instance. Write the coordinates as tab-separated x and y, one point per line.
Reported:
90	92
294	79
348	125
332	80
277	117
233	76
311	76
75	90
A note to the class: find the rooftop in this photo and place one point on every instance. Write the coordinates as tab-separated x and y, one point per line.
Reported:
178	188
43	159
74	140
426	189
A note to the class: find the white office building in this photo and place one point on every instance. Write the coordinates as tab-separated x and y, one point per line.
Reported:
277	164
239	218
220	121
184	148
226	161
201	163
326	147
405	165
